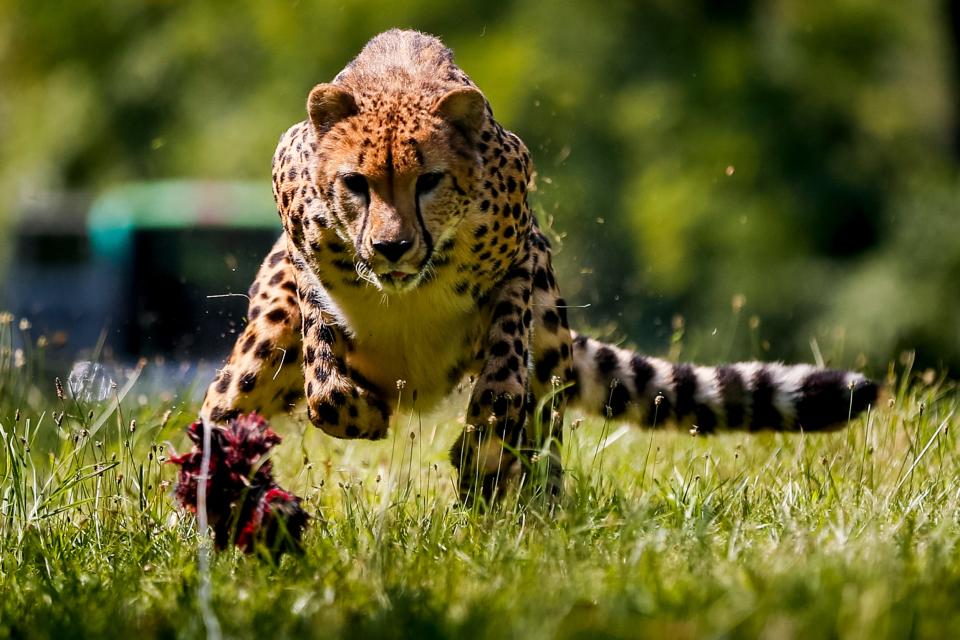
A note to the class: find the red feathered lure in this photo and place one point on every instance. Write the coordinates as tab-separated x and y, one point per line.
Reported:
244	503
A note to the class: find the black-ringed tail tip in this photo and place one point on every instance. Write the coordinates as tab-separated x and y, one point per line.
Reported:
746	396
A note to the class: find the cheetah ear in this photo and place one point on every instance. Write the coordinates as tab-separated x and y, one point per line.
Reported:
463	108
328	104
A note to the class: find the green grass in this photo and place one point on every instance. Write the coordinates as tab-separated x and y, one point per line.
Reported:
852	534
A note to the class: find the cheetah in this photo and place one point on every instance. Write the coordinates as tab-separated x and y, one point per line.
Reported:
410	260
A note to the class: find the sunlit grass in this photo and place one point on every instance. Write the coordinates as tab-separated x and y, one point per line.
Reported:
658	534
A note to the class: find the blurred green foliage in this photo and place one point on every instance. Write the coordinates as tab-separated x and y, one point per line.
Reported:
790	160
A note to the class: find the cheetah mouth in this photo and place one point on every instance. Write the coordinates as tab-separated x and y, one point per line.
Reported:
403	279
399	280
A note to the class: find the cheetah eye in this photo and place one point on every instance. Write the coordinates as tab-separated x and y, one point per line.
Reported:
355	183
428	182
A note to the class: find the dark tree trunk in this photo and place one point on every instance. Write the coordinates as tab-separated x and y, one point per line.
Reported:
953	25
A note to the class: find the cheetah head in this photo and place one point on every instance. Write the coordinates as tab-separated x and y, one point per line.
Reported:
397	175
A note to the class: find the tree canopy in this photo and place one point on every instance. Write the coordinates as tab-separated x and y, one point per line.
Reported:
791	160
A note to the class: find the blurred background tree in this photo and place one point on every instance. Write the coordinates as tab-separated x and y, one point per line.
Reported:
756	177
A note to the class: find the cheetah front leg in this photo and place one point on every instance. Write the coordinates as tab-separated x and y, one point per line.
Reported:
553	372
263	372
489	452
339	400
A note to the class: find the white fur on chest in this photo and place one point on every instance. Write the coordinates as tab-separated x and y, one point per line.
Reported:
417	337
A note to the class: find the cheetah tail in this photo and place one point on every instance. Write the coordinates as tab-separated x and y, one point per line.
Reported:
746	396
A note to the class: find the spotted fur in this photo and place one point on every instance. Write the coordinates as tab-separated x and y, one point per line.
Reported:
410	260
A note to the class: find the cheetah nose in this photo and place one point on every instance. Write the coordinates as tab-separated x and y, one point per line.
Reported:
392	251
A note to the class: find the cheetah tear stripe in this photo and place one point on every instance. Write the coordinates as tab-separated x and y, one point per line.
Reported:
747	396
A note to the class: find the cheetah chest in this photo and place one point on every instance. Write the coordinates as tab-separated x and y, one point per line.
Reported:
423	338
